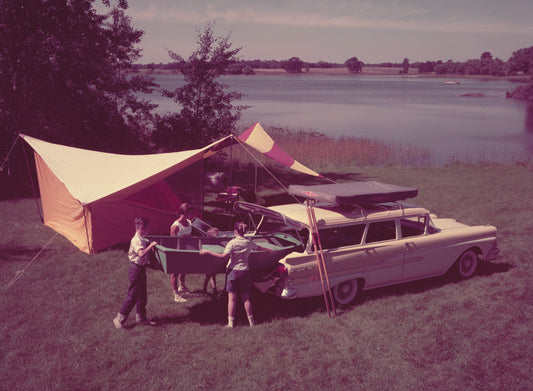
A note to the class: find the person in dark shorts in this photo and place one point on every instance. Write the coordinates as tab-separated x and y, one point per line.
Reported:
238	282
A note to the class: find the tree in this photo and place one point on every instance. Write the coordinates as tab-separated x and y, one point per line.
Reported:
354	65
207	112
405	65
292	65
64	75
521	61
426	67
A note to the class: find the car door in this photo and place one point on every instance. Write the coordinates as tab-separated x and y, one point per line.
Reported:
383	254
423	255
342	249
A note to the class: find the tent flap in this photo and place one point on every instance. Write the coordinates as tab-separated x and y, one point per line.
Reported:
257	138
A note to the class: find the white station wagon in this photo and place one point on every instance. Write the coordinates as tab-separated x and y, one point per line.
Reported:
374	245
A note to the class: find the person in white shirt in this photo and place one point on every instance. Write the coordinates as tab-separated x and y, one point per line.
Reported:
181	227
137	294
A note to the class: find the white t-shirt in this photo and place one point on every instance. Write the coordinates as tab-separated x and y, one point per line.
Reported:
183	230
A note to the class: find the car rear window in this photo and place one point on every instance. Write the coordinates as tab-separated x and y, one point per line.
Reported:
341	236
413	226
381	230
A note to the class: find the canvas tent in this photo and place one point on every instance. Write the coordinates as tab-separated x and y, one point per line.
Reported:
92	197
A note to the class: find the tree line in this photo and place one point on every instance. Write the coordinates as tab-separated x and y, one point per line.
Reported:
518	64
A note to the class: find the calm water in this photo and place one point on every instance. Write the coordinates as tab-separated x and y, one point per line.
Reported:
418	111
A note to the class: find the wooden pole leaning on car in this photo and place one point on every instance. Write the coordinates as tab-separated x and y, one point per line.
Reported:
317	246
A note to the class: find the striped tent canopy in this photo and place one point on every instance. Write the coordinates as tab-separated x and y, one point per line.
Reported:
257	138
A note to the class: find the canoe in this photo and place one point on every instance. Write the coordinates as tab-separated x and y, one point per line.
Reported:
182	254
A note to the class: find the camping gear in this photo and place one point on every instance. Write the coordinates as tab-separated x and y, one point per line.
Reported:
354	193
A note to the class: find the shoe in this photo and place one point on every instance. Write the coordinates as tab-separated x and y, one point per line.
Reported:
118	321
228	326
183	289
143	321
179	299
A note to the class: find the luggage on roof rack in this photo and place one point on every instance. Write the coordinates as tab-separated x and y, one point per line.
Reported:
354	193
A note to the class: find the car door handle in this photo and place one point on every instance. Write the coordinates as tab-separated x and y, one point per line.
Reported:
410	245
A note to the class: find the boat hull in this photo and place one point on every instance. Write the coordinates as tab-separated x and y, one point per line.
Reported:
182	254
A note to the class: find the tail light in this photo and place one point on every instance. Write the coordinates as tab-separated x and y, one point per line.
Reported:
282	271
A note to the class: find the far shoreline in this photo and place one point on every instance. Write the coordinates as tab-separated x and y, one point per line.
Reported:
367	71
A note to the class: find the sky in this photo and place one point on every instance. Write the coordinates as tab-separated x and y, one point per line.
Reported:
374	31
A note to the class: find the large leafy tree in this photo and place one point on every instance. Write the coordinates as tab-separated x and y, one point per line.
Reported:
521	61
207	109
354	65
64	75
292	65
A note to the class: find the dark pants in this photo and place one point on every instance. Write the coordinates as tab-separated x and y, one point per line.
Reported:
137	294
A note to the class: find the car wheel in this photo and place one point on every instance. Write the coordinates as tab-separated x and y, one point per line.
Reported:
467	264
345	292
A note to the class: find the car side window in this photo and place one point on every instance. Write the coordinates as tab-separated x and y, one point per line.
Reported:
413	226
341	236
381	230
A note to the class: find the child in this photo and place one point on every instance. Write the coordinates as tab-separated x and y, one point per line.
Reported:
211	277
238	281
181	227
137	295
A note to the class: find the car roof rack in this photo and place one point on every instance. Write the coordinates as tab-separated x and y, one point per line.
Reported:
362	194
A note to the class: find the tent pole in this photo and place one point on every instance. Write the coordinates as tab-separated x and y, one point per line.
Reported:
202	187
266	169
86	229
255	179
4	162
314	234
319	243
231	164
32	184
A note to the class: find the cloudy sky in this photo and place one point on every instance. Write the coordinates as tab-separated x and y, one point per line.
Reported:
335	30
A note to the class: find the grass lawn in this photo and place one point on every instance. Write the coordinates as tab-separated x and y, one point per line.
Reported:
57	333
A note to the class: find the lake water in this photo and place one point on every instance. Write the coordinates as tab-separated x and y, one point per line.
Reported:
470	121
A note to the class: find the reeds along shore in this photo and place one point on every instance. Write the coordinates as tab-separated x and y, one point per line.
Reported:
317	150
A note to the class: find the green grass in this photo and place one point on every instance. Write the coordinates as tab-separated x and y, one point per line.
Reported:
56	331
